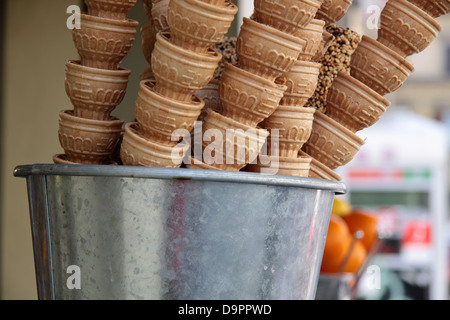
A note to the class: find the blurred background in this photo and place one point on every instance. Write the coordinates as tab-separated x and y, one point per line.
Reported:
401	173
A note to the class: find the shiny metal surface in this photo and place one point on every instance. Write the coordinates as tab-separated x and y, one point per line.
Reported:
153	233
335	287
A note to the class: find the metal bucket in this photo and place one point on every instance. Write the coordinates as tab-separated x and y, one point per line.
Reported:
157	233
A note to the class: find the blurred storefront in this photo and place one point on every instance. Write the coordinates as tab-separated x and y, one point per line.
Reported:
402	171
401	174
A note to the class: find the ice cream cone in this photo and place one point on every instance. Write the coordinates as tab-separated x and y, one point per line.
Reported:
159	117
159	15
196	25
287	166
179	73
294	125
196	164
301	83
405	28
434	8
288	15
379	67
116	153
210	95
248	98
353	104
331	143
110	9
62	159
325	43
266	51
234	144
219	3
313	34
222	165
95	93
319	170
147	74
87	141
333	10
103	43
138	151
148	35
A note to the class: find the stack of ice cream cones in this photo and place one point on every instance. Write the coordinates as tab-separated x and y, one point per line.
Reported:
434	8
148	39
406	28
156	13
182	61
268	93
267	46
342	43
356	101
210	93
329	12
332	11
290	122
96	84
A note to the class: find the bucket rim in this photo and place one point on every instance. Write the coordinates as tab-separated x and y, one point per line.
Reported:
121	171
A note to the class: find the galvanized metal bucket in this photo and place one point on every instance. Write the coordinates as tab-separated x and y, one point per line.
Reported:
157	233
